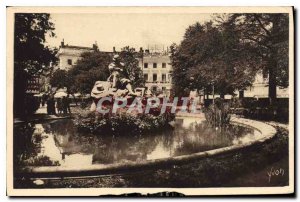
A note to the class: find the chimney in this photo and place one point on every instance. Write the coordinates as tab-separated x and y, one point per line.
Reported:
114	49
95	46
62	44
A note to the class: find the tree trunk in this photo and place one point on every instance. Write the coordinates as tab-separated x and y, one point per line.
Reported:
222	95
207	99
241	94
272	63
272	86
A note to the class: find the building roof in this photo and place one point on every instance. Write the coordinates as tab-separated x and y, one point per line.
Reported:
157	58
77	47
73	50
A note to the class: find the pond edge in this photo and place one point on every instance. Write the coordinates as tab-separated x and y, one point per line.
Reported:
266	130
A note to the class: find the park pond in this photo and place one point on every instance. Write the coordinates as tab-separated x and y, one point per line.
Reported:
59	143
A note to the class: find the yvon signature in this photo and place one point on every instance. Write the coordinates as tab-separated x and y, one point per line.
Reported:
275	172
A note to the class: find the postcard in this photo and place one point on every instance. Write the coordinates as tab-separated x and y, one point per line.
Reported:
153	101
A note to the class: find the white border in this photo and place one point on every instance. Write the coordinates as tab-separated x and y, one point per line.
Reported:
119	3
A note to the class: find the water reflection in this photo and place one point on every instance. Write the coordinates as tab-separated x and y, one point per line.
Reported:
63	145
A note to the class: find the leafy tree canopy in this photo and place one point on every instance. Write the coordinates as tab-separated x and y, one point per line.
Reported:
92	67
60	79
268	36
211	56
132	70
31	56
30	52
229	51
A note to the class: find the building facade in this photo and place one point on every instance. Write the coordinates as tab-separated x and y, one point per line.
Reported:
260	88
157	72
157	68
69	55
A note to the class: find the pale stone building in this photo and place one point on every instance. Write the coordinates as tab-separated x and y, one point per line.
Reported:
69	55
157	72
260	88
156	67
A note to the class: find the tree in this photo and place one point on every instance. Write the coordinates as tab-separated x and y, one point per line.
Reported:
60	79
211	56
267	35
31	56
132	70
92	67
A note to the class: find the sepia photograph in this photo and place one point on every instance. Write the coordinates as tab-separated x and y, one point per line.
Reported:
150	101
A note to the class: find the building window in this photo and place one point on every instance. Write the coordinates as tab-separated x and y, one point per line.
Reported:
154	77
163	78
163	89
69	61
154	88
146	77
164	65
145	65
154	65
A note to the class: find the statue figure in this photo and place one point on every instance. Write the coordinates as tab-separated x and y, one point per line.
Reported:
117	77
116	85
115	68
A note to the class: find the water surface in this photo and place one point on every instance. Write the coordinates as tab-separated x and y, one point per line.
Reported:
59	143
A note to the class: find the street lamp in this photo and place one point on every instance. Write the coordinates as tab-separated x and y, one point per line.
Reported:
214	107
213	90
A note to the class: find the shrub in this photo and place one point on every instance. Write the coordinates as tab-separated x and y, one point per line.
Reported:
218	114
119	122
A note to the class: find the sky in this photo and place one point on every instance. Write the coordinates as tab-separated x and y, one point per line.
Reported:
122	29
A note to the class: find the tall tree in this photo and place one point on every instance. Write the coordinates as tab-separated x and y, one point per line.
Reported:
267	35
92	67
60	78
211	56
31	56
131	66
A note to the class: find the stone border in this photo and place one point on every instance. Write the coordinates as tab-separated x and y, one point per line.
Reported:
266	130
42	119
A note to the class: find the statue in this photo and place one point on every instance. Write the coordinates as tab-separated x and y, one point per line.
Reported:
119	81
115	68
117	84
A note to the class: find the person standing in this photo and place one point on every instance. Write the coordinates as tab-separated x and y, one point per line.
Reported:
68	100
64	104
48	106
44	99
59	106
51	105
